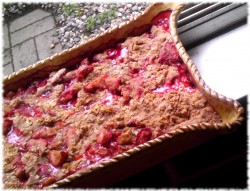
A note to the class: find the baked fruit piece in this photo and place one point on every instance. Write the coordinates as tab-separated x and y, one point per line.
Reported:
109	103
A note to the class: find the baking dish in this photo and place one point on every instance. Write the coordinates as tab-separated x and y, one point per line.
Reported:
229	110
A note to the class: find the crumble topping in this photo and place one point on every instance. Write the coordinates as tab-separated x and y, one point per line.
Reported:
106	105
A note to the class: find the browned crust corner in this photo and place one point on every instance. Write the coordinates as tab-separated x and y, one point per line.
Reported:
220	102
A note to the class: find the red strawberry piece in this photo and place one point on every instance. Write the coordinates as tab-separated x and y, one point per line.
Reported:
126	93
89	88
112	84
90	151
78	156
57	158
143	136
95	151
83	71
7	124
98	83
72	136
21	173
48	181
67	95
104	136
134	70
44	132
168	54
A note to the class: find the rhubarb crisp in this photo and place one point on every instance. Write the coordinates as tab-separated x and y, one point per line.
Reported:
107	104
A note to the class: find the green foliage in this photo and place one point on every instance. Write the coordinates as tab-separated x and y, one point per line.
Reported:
107	15
103	17
70	8
91	22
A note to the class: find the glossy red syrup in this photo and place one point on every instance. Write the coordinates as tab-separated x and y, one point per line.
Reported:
162	20
117	52
29	110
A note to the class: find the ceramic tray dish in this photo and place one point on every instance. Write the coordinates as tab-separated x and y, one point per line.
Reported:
129	162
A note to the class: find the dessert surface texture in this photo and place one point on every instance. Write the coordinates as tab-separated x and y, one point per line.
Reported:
110	102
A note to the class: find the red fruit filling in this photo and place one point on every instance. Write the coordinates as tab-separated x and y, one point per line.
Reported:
67	96
83	71
48	181
103	82
104	136
44	132
126	93
57	158
71	136
143	136
162	19
117	52
95	152
97	84
169	54
28	110
112	84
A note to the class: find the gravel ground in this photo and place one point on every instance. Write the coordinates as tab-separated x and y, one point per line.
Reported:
78	22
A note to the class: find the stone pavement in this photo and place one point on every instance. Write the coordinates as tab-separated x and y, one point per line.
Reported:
28	39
